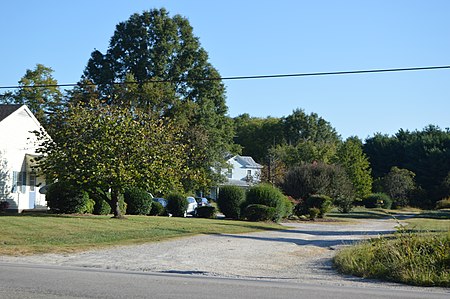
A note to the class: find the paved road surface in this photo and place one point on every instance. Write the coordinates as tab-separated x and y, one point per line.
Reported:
24	281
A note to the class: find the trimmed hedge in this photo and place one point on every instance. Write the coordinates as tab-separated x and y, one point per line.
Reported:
230	201
157	209
139	202
321	202
378	200
206	212
443	203
64	198
268	195
177	204
257	212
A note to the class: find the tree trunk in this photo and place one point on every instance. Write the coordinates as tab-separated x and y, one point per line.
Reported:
115	204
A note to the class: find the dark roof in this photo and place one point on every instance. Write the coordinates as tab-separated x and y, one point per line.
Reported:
6	110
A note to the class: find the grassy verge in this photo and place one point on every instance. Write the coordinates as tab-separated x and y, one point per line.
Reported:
418	254
31	234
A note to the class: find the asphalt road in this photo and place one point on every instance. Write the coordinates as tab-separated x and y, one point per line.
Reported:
26	281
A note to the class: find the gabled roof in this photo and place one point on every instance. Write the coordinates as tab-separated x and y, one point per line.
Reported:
6	110
249	162
246	161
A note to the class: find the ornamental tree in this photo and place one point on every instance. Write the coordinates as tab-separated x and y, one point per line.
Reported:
105	149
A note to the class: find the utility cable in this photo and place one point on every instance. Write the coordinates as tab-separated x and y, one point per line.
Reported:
241	77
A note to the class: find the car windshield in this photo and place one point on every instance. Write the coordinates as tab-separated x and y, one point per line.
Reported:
191	200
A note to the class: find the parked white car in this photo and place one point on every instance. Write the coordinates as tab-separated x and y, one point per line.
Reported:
192	206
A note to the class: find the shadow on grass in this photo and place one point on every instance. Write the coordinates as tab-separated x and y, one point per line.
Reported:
439	215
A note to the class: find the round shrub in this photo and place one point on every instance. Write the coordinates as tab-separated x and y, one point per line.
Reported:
344	204
443	203
157	209
378	200
313	213
64	198
257	212
268	195
321	202
139	202
177	204
288	207
230	201
206	212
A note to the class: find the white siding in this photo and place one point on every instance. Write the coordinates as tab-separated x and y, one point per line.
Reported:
17	141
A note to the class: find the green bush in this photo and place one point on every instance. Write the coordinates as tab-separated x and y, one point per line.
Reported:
313	213
378	200
177	204
139	202
157	209
101	207
230	201
257	212
443	203
64	198
206	212
344	204
288	207
321	202
268	195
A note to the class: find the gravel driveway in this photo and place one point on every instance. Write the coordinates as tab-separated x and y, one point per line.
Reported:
301	253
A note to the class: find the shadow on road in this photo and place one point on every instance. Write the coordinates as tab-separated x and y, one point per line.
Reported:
301	242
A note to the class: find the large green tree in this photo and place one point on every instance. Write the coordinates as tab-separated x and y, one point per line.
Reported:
39	91
352	158
174	79
106	149
257	135
299	127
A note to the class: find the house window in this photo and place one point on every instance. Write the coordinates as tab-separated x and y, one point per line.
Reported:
32	181
249	172
20	181
230	173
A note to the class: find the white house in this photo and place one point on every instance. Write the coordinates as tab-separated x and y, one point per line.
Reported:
19	183
242	171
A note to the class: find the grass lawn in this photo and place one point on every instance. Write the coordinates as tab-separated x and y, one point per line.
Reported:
42	233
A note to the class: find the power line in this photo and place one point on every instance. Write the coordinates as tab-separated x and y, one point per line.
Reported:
425	68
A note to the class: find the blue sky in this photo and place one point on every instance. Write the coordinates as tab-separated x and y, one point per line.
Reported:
257	37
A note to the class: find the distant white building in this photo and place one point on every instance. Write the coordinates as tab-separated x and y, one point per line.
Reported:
19	183
242	171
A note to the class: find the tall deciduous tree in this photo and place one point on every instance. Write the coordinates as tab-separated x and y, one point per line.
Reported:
299	127
39	91
108	148
152	46
256	135
352	158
